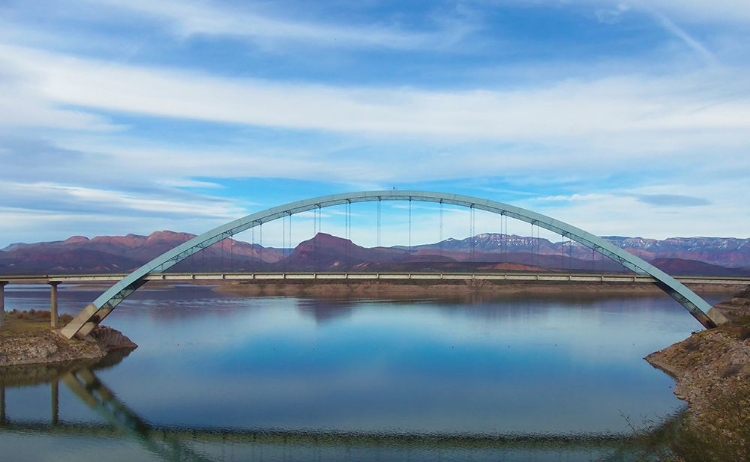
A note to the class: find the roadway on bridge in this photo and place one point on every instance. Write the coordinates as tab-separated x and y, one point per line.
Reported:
327	277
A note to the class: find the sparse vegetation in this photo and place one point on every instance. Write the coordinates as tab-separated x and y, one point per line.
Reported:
740	327
720	434
713	371
31	320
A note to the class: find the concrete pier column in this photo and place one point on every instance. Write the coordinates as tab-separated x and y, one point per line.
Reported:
2	301
3	421
55	398
53	304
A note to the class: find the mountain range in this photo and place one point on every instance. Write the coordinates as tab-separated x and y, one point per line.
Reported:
704	256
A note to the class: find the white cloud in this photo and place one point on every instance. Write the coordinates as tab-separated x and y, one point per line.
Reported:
189	18
613	14
82	199
622	212
673	105
25	107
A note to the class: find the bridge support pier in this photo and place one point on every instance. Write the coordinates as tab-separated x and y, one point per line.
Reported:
2	301
53	321
3	421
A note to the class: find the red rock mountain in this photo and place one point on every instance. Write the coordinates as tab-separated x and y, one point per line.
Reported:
104	254
710	256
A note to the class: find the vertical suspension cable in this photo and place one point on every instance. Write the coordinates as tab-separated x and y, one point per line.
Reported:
409	227
252	243
570	255
562	252
533	247
472	231
348	233
283	242
440	242
593	261
317	243
502	236
503	228
538	244
378	236
291	248
507	240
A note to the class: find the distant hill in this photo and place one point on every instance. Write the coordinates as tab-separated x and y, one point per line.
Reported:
727	252
118	254
484	252
680	267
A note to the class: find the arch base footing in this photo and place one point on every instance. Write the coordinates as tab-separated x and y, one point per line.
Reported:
717	316
74	327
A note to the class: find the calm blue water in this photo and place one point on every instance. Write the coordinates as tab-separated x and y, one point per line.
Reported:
286	378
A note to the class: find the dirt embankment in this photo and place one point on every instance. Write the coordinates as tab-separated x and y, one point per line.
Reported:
712	370
26	342
707	364
445	288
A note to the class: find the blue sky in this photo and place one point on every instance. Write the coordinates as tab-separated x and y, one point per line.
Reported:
129	116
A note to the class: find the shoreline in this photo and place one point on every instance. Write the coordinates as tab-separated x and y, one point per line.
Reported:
406	288
33	343
711	369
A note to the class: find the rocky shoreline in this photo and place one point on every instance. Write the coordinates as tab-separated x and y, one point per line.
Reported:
705	365
446	288
712	373
46	346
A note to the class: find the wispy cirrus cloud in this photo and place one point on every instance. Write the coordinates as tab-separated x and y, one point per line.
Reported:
79	199
23	105
698	11
258	23
673	200
685	104
725	12
699	48
646	211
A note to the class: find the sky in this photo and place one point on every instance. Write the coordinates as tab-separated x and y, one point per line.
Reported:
627	118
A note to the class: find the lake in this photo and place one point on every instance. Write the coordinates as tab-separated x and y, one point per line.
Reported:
221	377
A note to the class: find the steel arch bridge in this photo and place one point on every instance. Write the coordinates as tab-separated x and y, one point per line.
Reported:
96	311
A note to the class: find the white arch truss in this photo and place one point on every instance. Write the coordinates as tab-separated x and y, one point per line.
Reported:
96	311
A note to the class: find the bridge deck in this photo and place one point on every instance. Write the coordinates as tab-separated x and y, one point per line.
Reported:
386	276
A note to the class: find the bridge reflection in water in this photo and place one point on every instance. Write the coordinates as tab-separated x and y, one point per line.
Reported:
175	443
